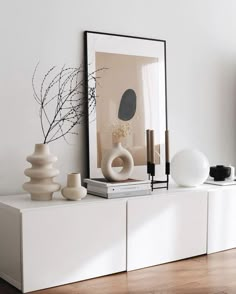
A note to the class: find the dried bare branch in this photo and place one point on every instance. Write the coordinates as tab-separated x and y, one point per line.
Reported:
65	100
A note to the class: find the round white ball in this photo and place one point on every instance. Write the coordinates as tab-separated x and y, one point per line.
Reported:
189	168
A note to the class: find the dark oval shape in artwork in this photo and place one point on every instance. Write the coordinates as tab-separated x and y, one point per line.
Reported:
127	107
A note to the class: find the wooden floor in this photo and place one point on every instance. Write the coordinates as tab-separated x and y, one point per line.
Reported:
215	273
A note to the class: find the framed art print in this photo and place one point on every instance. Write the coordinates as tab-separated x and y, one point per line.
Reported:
130	98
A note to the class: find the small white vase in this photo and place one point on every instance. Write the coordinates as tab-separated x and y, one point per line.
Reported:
110	173
41	185
74	190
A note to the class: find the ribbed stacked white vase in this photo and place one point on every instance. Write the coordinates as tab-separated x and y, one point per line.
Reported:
42	172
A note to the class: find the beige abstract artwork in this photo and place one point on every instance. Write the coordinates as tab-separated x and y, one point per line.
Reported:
124	104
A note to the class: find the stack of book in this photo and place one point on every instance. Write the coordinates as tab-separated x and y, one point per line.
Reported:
102	187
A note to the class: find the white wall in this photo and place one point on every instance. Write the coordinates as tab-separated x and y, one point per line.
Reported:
201	48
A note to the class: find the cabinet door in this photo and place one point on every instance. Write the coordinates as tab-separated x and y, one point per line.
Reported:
166	228
221	220
68	244
10	246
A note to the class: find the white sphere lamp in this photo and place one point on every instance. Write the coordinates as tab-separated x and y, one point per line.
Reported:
189	168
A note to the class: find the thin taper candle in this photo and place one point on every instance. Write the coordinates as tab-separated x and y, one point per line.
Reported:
148	144
152	147
167	151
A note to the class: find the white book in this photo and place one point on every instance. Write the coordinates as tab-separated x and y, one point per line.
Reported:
221	183
104	183
120	194
118	189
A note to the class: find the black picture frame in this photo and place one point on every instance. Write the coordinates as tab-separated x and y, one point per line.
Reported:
149	53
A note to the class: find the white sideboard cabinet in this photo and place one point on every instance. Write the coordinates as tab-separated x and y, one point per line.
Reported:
46	244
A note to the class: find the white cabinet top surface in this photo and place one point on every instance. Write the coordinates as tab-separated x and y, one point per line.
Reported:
23	202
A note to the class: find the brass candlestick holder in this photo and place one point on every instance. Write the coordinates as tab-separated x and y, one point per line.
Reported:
157	184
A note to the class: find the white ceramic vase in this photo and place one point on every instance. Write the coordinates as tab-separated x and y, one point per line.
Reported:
41	174
110	173
74	190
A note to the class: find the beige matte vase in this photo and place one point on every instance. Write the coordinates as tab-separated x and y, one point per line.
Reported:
41	185
74	190
110	173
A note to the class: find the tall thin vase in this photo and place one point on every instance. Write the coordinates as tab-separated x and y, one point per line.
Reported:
41	174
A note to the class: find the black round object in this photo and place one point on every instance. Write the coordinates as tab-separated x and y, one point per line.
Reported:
127	107
220	172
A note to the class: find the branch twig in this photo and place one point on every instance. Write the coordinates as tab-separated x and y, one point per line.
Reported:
63	100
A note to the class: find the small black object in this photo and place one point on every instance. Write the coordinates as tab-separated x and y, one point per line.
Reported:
220	172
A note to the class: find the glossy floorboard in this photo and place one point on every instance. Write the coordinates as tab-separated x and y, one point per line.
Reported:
213	274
